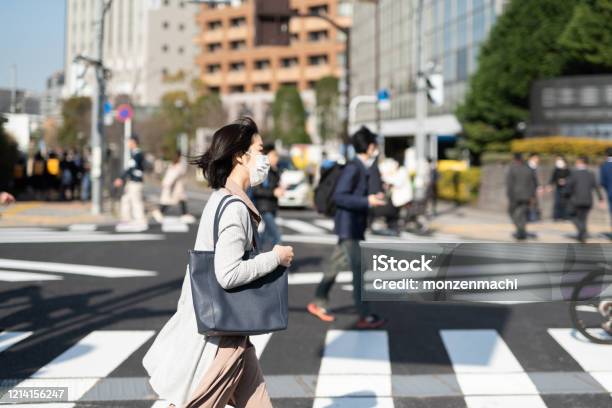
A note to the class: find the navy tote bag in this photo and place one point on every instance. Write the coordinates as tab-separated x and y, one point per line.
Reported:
258	307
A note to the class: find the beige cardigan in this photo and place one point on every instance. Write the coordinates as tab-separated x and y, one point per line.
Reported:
179	356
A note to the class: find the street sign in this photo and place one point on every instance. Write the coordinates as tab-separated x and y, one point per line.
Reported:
124	112
108	107
384	100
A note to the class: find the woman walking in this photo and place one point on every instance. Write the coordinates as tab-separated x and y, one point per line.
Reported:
191	370
173	190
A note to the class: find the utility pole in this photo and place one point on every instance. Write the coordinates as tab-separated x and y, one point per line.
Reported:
377	69
14	89
97	113
421	100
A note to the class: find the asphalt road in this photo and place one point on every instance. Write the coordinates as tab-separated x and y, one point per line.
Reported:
62	321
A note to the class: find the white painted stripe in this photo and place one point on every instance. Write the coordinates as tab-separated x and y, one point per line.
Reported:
76	269
24	229
67	236
93	357
18	276
45	405
325	223
354	364
311	278
328	239
160	404
478	357
299	226
131	227
596	359
174	224
82	227
8	338
260	342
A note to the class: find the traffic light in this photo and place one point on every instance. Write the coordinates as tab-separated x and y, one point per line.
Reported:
435	89
272	22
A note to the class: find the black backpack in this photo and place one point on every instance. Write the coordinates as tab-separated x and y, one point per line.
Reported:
324	193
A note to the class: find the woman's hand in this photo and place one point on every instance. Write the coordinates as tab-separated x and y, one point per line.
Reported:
285	254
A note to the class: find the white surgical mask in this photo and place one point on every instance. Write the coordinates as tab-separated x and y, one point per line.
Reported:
258	174
560	164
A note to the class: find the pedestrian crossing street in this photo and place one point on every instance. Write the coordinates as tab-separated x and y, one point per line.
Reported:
355	370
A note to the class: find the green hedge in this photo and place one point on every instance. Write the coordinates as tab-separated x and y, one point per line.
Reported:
469	182
567	146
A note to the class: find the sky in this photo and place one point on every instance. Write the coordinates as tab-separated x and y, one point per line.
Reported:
32	37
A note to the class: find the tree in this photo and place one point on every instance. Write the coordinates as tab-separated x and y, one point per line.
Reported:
76	127
523	46
587	38
289	116
328	98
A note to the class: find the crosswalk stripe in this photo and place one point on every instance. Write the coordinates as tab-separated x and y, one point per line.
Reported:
260	342
355	370
160	404
45	405
73	236
594	358
299	226
325	223
82	227
76	269
8	338
311	278
487	370
174	224
18	276
93	357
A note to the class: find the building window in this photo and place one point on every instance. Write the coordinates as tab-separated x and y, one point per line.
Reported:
238	22
164	48
164	71
294	84
181	50
462	64
314	36
318	9
262	64
312	84
294	38
165	25
237	66
212	68
213	25
317	59
237	88
238	45
212	47
181	27
261	87
289	62
166	2
213	89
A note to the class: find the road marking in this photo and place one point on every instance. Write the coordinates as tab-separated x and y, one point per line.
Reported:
174	224
160	404
311	278
355	370
93	357
45	405
299	226
596	359
18	276
83	227
478	357
69	236
87	270
260	341
8	338
325	223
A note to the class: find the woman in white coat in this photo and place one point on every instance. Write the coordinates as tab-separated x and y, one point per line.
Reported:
188	369
173	190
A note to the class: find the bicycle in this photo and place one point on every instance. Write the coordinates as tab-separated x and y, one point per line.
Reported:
591	307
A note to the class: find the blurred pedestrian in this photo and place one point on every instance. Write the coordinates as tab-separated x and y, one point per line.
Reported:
580	186
432	186
53	176
534	214
352	203
605	179
558	183
68	174
520	189
173	190
189	369
38	178
132	200
266	197
85	176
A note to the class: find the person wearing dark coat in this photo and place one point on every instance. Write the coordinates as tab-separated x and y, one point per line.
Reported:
558	182
266	197
350	221
605	179
581	185
521	189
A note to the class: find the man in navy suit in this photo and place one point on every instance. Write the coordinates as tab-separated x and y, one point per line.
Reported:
605	179
352	203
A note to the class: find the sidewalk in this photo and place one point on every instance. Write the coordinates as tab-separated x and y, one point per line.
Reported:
476	224
45	213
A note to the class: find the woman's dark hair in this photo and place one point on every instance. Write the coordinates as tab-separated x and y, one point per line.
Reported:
228	142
